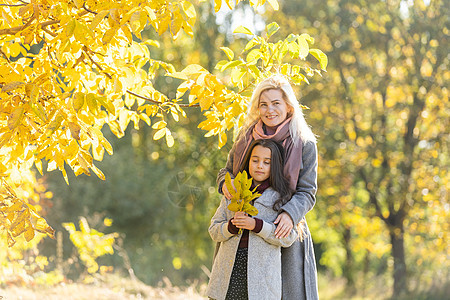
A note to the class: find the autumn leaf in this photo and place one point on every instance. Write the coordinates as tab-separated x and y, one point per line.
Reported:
242	195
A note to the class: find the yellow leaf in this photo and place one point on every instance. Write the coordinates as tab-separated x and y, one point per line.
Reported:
92	103
274	4
159	125
107	146
159	134
29	232
206	102
228	52
98	172
70	28
15	117
321	57
10	239
174	113
108	104
242	29
189	9
217	5
127	33
38	164
12	86
145	118
109	34
78	101
74	130
98	18
169	138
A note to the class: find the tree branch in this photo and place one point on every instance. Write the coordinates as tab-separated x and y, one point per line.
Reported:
14	30
23	4
130	92
4	55
87	9
372	195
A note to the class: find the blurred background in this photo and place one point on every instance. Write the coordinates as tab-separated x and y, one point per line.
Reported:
381	114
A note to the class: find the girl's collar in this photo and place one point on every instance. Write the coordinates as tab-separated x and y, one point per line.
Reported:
262	187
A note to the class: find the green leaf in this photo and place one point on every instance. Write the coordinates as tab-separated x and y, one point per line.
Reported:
228	52
253	42
272	28
253	56
231	64
321	57
242	29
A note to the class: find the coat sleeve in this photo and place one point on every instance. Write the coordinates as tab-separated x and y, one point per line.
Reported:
228	169
305	196
268	234
218	230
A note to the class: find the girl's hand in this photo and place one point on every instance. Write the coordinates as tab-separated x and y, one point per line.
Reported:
225	191
285	225
242	220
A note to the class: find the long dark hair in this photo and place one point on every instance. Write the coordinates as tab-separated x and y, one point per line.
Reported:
277	180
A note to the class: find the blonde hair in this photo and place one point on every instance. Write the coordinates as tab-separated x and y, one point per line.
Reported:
298	128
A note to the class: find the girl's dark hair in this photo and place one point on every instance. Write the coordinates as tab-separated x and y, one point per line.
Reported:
277	179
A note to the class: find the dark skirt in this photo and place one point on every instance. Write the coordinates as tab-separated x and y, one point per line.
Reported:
237	288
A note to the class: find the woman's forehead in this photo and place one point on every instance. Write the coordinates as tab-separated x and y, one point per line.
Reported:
271	95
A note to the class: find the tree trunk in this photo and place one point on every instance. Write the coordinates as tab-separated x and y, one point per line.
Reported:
398	253
348	269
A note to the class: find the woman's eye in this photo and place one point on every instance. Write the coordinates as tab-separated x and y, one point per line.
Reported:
267	162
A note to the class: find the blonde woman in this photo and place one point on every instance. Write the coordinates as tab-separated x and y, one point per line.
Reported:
274	113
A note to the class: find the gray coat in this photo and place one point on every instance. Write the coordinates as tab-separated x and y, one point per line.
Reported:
299	274
264	254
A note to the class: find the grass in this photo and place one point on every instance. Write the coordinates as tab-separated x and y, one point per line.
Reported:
115	286
109	287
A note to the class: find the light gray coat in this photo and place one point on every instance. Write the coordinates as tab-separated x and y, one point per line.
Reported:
264	253
299	274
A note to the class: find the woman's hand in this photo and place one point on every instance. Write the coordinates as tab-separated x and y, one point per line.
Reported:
225	191
285	225
242	220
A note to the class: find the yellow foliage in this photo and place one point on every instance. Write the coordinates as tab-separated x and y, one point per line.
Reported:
88	74
90	243
241	196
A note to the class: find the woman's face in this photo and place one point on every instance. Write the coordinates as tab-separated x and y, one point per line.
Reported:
273	110
259	165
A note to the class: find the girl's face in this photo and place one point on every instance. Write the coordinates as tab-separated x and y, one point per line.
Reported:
273	110
259	165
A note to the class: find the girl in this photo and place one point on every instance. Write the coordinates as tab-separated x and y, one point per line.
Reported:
256	250
274	113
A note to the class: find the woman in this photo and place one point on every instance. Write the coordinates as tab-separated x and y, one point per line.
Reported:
274	113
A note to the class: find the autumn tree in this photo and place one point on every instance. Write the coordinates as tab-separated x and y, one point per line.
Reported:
383	122
68	68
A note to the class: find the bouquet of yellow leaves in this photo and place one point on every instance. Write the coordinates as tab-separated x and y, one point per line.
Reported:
242	196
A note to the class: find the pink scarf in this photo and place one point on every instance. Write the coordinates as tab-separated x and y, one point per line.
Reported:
282	135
